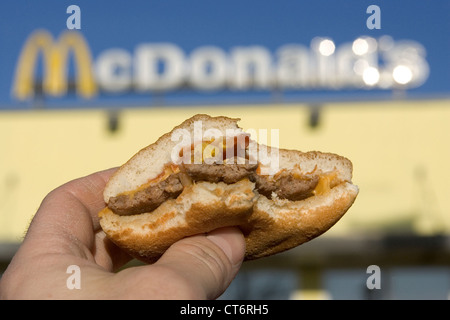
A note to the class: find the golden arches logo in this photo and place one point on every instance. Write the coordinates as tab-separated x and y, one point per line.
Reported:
55	58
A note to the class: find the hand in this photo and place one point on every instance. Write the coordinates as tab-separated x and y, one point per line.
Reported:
65	232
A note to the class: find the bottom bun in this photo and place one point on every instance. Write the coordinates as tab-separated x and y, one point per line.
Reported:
200	208
269	226
278	225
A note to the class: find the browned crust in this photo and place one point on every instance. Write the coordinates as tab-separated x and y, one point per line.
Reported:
149	247
289	225
266	233
148	237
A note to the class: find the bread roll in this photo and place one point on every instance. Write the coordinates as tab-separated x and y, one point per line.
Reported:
280	202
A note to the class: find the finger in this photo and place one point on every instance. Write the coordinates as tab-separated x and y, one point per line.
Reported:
66	203
206	263
107	254
67	217
89	192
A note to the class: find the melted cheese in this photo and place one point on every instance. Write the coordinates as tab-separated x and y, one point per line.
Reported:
326	182
219	149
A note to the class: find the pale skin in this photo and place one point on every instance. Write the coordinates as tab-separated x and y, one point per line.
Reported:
65	231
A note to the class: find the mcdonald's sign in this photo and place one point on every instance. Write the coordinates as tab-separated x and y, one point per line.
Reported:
55	60
148	61
365	63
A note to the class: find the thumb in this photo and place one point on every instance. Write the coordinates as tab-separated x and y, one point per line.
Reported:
205	264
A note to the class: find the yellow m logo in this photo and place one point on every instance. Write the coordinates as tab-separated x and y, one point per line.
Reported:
55	55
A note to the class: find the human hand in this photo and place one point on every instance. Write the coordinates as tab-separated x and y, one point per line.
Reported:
66	232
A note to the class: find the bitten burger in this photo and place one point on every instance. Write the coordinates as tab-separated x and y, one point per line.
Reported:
188	183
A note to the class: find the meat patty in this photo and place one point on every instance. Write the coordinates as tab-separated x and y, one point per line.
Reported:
228	173
286	186
147	199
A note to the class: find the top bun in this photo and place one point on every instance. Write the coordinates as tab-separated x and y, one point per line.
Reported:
149	162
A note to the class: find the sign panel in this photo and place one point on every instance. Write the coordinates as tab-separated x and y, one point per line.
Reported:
177	52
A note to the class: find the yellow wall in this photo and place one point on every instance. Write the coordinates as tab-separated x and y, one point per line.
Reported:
400	152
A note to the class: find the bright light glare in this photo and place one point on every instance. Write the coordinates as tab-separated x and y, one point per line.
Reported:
360	46
402	74
326	47
371	76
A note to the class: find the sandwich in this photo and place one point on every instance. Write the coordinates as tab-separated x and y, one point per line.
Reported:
208	173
